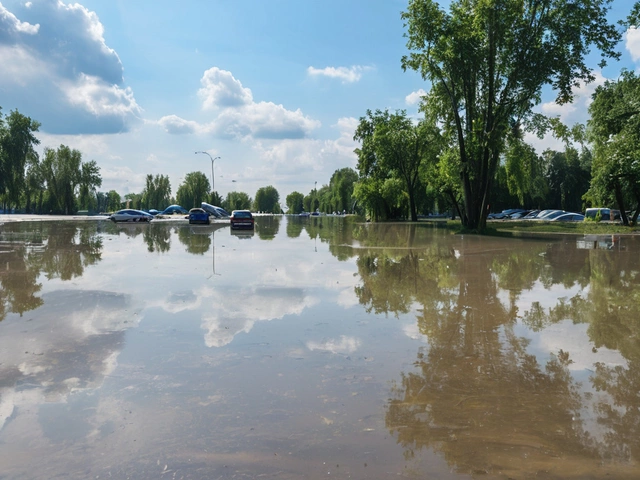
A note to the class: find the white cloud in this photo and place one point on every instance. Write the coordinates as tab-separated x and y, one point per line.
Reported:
415	97
220	89
122	179
59	53
347	75
9	24
632	43
237	115
262	120
178	126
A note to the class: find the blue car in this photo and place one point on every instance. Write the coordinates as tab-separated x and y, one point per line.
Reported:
174	209
198	215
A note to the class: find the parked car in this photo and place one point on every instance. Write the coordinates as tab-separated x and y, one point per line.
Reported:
531	214
545	213
605	213
198	215
130	215
174	209
241	219
569	217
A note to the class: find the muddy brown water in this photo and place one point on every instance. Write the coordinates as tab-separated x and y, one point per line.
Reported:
316	348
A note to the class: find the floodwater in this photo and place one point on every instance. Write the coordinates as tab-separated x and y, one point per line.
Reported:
316	348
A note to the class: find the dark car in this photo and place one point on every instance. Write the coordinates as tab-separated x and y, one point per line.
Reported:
174	209
241	219
198	215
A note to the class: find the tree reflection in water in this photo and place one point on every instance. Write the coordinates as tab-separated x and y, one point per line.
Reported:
477	394
55	250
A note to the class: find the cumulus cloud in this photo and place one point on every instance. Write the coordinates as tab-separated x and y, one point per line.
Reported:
58	52
237	115
415	97
220	89
178	126
632	43
346	75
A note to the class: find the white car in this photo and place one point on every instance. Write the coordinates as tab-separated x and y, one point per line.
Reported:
569	217
130	215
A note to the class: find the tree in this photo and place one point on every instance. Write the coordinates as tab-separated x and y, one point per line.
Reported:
614	129
90	180
194	190
113	201
488	61
157	192
341	189
393	147
267	200
294	202
17	141
62	172
237	201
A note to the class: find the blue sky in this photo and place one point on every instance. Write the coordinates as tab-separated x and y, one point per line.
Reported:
273	87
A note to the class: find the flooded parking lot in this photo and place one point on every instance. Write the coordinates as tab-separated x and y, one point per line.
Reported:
316	348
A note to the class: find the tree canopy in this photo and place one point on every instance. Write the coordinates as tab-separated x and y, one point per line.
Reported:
487	62
194	190
267	200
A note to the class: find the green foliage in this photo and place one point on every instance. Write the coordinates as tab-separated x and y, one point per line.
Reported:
157	192
17	141
237	201
393	148
267	200
194	190
294	202
488	62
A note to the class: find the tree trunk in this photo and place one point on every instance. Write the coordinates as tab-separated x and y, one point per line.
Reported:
620	201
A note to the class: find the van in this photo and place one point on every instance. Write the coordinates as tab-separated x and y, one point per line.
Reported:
606	214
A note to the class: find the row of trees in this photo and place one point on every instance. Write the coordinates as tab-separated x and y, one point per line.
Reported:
487	64
60	182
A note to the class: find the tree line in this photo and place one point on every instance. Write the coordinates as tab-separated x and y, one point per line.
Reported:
487	64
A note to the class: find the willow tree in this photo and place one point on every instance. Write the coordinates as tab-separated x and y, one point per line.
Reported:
488	61
393	147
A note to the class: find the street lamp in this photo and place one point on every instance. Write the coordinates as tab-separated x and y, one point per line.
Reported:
212	160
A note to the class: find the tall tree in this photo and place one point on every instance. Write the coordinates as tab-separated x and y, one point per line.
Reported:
393	147
237	201
294	202
89	181
62	172
157	192
194	190
17	141
488	61
614	129
267	200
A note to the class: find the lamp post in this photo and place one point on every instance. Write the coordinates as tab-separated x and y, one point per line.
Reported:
212	178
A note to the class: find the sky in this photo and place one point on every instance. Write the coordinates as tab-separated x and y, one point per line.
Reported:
274	88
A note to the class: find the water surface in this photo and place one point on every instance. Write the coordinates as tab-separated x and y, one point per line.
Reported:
316	348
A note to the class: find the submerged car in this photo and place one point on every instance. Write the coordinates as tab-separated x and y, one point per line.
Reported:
241	219
174	210
130	215
198	215
217	212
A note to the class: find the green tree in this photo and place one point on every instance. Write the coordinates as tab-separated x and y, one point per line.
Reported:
113	201
488	62
295	202
157	192
614	129
62	171
134	200
267	200
90	180
194	190
237	201
393	147
17	141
